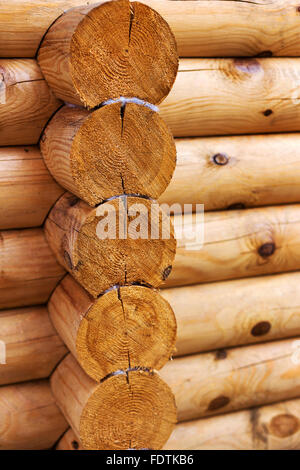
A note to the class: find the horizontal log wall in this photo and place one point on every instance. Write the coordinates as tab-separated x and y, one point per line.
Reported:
202	28
234	96
238	378
29	270
27	190
26	102
29	417
236	171
237	244
221	314
209	317
30	346
257	170
271	427
203	385
209	97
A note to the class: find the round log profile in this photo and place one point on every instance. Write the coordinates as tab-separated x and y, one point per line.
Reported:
29	416
29	345
118	48
237	243
136	411
131	409
29	271
126	240
128	326
120	148
233	379
270	427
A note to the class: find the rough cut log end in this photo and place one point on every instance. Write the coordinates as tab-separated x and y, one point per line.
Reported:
116	49
135	410
76	233
114	150
129	327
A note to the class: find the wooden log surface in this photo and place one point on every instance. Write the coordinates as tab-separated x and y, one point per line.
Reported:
91	54
27	190
217	315
30	346
111	245
234	96
270	427
237	243
235	171
202	28
126	327
257	170
120	148
132	410
239	378
26	102
29	417
209	317
209	97
29	271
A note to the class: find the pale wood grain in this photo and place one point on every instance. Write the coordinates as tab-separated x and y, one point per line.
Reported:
260	170
27	190
257	170
29	271
26	102
237	243
234	96
202	28
32	346
207	384
271	427
221	314
30	419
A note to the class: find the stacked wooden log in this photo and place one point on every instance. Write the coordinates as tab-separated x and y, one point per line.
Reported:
91	105
114	156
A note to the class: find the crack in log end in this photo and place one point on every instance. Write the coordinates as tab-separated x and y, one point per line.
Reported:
130	22
218	403
261	328
166	272
220	354
298	9
267	112
266	250
220	159
284	425
122	114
